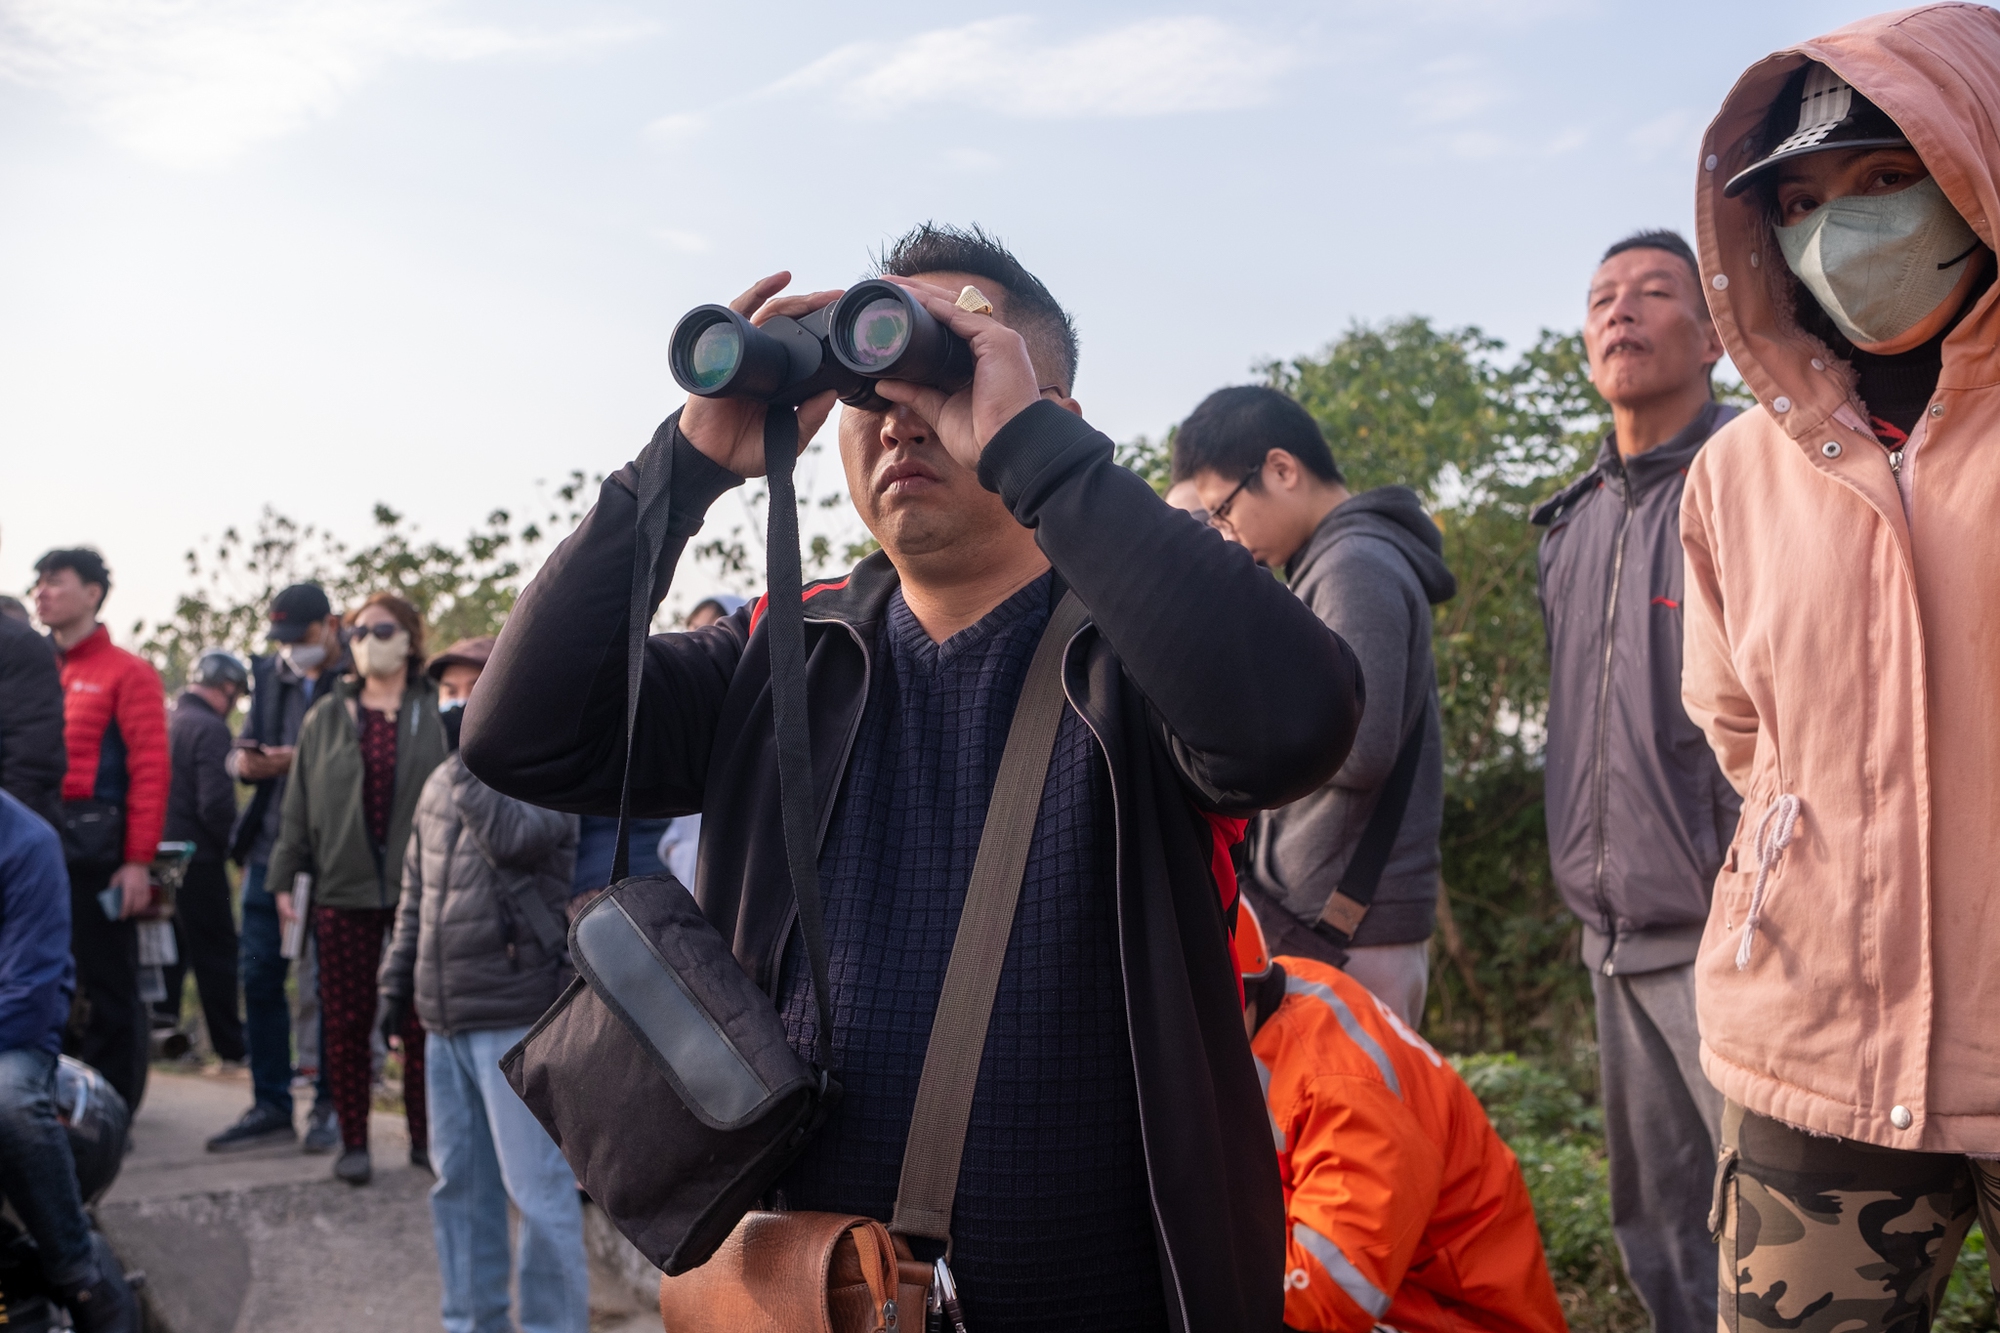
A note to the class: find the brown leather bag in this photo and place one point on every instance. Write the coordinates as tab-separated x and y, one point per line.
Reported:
792	1273
799	1272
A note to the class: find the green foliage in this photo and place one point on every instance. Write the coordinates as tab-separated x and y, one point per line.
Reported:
1544	1107
462	590
1970	1305
1151	459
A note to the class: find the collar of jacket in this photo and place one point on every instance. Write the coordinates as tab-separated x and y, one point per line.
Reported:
859	599
1643	471
189	696
89	645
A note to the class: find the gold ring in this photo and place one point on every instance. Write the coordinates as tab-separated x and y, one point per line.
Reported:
973	302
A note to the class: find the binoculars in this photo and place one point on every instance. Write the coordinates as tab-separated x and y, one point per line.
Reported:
876	331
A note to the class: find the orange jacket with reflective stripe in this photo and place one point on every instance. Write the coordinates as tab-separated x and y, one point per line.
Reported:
1403	1206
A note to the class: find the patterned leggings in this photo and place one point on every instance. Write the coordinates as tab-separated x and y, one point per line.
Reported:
350	950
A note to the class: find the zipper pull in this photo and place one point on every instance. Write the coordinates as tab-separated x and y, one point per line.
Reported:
1896	462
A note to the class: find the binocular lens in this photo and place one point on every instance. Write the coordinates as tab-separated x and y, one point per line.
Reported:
881	333
714	357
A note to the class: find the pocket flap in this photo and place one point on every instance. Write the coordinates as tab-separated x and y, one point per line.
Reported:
684	1015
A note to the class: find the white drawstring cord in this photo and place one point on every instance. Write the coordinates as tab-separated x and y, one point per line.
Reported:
1786	810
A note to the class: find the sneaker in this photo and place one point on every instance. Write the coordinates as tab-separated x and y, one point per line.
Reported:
354	1166
421	1158
260	1125
322	1130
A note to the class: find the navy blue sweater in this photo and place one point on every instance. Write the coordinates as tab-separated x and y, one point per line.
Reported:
37	978
1052	1227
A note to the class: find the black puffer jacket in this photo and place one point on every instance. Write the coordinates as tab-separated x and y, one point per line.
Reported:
1639	812
465	943
1210	688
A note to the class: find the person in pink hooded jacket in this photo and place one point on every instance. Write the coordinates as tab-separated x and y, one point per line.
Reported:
1842	654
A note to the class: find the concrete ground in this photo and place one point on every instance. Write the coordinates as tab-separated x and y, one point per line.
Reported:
267	1239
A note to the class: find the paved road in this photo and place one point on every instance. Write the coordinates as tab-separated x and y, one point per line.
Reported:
268	1240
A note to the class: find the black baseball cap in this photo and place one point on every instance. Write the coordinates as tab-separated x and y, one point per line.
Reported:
297	607
1815	112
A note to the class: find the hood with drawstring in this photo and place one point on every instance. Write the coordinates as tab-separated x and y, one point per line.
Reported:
1371	570
1843	650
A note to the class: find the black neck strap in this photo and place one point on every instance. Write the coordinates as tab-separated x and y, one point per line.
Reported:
784	633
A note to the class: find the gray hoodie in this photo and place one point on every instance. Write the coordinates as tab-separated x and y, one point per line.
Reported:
1371	570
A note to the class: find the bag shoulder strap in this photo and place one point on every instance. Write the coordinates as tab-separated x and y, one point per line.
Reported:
1350	900
958	1032
784	630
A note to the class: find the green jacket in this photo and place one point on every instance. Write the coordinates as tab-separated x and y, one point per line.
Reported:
322	830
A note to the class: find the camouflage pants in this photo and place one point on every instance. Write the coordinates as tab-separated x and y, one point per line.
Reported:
1826	1235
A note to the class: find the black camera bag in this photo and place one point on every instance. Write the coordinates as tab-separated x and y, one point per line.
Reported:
663	1072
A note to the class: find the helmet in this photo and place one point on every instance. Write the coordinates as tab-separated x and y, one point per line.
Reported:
1253	957
95	1118
219	667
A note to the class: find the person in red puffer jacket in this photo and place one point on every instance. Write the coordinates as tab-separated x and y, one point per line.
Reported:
115	728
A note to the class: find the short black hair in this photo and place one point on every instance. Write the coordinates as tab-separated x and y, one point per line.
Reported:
86	561
1659	238
932	247
1233	429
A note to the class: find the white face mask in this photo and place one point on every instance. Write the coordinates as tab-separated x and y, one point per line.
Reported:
1879	264
304	657
382	657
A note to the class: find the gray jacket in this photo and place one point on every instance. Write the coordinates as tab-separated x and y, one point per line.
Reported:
465	943
1371	571
1639	813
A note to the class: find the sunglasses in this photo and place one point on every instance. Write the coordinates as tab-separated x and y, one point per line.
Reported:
381	629
1219	516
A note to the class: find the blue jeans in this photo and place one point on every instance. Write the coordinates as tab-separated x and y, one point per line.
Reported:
37	1174
487	1149
267	1014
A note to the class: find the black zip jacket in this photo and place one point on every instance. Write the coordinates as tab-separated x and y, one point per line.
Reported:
1209	686
1639	812
33	758
201	799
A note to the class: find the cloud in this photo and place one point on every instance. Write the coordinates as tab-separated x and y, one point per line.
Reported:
677	128
1677	131
194	83
687	242
1568	141
972	161
1152	67
1453	89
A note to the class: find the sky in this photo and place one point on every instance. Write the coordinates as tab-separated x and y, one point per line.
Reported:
316	254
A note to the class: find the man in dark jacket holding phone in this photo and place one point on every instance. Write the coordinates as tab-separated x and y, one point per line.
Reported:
1112	1176
309	656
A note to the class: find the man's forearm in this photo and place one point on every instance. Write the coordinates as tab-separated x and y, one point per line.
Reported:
544	722
1264	697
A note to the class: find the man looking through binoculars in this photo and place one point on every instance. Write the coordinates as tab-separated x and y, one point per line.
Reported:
1116	1171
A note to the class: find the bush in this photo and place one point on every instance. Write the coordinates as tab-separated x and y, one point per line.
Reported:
1969	1303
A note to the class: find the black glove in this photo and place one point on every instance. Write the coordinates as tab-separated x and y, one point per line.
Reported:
395	1013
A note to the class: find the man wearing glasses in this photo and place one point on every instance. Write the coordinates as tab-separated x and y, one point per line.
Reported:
1354	866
